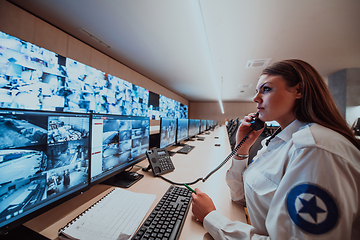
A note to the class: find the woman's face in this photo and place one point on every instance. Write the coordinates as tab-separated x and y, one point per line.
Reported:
275	101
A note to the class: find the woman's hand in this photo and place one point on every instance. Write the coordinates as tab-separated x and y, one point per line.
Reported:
202	205
244	129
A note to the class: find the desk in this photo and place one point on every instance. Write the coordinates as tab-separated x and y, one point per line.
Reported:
198	163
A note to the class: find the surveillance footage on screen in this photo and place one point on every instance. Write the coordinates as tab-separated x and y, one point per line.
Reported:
41	157
32	77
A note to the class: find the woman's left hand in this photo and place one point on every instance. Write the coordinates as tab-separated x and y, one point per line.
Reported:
202	205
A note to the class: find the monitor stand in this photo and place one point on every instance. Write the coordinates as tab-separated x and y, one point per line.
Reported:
180	144
124	179
21	233
190	139
171	153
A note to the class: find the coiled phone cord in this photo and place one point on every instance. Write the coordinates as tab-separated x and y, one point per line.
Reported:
217	168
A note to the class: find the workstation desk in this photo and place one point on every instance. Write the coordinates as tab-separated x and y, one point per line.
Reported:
188	167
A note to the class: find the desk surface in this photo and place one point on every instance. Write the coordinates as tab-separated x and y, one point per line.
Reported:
198	163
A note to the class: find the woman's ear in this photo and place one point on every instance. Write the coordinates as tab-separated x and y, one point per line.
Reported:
299	90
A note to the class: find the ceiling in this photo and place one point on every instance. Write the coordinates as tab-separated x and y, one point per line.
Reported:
200	49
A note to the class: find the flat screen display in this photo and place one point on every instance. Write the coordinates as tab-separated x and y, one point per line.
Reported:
203	125
44	156
182	129
32	77
194	127
117	142
167	131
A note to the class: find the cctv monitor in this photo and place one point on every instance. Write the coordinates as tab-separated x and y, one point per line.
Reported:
194	127
167	132
182	133
203	125
44	160
117	143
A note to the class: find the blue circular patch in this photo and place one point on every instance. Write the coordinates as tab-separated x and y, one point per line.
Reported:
312	209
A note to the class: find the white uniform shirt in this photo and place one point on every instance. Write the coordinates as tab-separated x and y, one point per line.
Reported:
304	185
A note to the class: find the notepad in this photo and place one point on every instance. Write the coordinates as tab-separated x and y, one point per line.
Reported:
114	217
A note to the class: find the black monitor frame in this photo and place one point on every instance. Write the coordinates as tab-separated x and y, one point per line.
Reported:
113	175
44	147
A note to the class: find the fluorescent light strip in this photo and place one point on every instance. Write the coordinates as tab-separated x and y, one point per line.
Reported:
201	26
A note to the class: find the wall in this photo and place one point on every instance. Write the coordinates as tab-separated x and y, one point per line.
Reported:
344	87
23	25
211	110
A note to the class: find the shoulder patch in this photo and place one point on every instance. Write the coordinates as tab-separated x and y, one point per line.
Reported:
312	208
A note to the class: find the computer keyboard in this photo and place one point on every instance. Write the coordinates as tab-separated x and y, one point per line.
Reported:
186	149
167	218
200	138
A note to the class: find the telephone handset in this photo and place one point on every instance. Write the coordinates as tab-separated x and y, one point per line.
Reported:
256	124
160	161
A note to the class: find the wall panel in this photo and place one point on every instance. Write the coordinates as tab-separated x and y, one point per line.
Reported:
79	51
16	22
99	61
212	111
50	37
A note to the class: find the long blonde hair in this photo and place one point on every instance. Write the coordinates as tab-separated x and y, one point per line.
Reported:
316	104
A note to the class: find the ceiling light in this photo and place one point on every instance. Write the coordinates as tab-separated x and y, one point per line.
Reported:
245	85
258	63
87	33
205	43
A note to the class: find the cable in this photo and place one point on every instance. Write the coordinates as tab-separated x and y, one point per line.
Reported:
229	156
175	183
217	168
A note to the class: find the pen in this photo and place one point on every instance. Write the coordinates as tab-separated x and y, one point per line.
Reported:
189	188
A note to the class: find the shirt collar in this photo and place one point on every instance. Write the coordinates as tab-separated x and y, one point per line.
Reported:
289	130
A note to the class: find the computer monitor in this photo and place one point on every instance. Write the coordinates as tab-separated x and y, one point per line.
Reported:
203	125
182	130
167	132
194	127
117	142
44	160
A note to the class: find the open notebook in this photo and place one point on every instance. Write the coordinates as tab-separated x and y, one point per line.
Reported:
114	217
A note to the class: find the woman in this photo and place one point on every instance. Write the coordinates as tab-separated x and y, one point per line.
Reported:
305	181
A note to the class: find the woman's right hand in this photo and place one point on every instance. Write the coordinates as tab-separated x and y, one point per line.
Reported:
245	128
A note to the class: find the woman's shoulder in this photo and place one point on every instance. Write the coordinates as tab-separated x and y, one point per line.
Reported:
318	136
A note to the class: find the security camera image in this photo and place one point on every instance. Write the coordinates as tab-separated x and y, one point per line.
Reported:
123	140
21	130
34	172
31	77
167	132
72	153
63	129
182	129
22	195
90	90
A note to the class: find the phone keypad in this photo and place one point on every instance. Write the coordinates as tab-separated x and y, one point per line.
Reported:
165	163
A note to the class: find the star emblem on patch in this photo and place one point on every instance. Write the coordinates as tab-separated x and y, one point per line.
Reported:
312	208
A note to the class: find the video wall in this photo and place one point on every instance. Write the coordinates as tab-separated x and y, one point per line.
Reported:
32	77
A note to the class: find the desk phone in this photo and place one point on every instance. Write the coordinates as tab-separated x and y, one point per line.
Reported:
160	161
